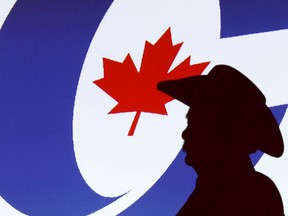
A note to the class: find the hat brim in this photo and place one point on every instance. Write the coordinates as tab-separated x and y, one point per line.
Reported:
192	90
186	89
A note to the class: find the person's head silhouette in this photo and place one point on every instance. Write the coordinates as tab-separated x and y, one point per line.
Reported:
227	120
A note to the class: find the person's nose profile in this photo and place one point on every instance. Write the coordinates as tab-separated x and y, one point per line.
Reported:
185	134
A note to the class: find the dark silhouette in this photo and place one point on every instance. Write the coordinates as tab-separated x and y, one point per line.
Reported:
227	120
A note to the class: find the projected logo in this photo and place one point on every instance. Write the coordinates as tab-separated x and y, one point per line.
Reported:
126	141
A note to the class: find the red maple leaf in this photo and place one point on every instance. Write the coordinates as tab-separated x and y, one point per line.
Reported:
136	91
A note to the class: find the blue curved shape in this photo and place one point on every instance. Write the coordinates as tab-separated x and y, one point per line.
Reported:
43	47
242	17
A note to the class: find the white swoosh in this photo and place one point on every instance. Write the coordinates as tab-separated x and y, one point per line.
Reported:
7	209
6	7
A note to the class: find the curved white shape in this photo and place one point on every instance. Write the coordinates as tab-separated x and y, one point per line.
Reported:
5	8
8	210
111	162
197	24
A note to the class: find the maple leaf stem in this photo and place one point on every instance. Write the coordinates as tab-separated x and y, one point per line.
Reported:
134	124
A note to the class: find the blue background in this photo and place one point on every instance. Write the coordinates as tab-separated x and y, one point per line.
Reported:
42	49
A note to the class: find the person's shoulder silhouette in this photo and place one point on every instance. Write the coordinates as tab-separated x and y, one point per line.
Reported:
227	120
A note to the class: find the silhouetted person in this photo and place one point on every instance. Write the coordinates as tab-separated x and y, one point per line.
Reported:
227	120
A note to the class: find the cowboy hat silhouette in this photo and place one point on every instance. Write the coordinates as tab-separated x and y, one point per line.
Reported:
227	120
